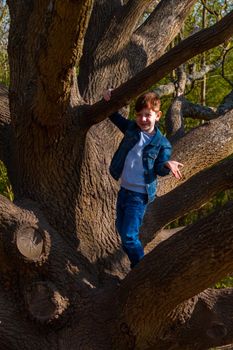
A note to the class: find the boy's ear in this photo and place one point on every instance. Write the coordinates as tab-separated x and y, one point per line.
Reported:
159	114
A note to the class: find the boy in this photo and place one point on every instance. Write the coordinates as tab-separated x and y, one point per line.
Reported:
143	154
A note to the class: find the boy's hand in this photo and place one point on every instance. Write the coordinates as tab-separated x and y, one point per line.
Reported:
107	94
174	167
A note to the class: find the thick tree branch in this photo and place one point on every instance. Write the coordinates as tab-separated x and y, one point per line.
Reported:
110	45
62	50
209	325
152	32
197	43
54	48
101	17
189	196
179	268
191	148
122	26
165	90
195	110
200	323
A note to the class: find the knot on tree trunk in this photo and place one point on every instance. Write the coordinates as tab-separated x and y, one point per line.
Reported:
44	302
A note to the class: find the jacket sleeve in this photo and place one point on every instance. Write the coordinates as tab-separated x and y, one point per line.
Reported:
122	123
163	156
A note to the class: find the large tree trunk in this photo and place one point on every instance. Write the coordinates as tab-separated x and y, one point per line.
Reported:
63	272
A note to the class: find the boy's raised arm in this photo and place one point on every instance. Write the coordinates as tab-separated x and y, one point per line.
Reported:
116	118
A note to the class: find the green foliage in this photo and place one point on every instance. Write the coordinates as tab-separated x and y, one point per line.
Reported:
4	68
227	282
4	29
5	186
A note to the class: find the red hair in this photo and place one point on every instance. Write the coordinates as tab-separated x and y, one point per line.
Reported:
147	100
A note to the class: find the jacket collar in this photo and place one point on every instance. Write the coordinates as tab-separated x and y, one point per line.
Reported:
156	138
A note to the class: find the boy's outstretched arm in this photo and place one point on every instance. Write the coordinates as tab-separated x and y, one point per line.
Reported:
164	164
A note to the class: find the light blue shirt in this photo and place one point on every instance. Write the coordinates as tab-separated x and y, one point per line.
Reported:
132	177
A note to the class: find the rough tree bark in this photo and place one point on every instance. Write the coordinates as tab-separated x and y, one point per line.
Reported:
65	282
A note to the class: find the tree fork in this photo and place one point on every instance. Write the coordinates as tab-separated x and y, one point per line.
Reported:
188	48
138	52
122	26
175	11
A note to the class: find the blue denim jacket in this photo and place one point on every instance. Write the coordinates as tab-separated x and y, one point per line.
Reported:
155	154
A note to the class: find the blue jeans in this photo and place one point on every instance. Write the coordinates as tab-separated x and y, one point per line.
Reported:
131	207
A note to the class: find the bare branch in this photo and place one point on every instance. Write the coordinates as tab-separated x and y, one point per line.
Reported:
189	196
199	42
169	89
204	70
196	111
165	90
211	11
179	268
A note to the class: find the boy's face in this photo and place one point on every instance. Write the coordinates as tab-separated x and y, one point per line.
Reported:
146	119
